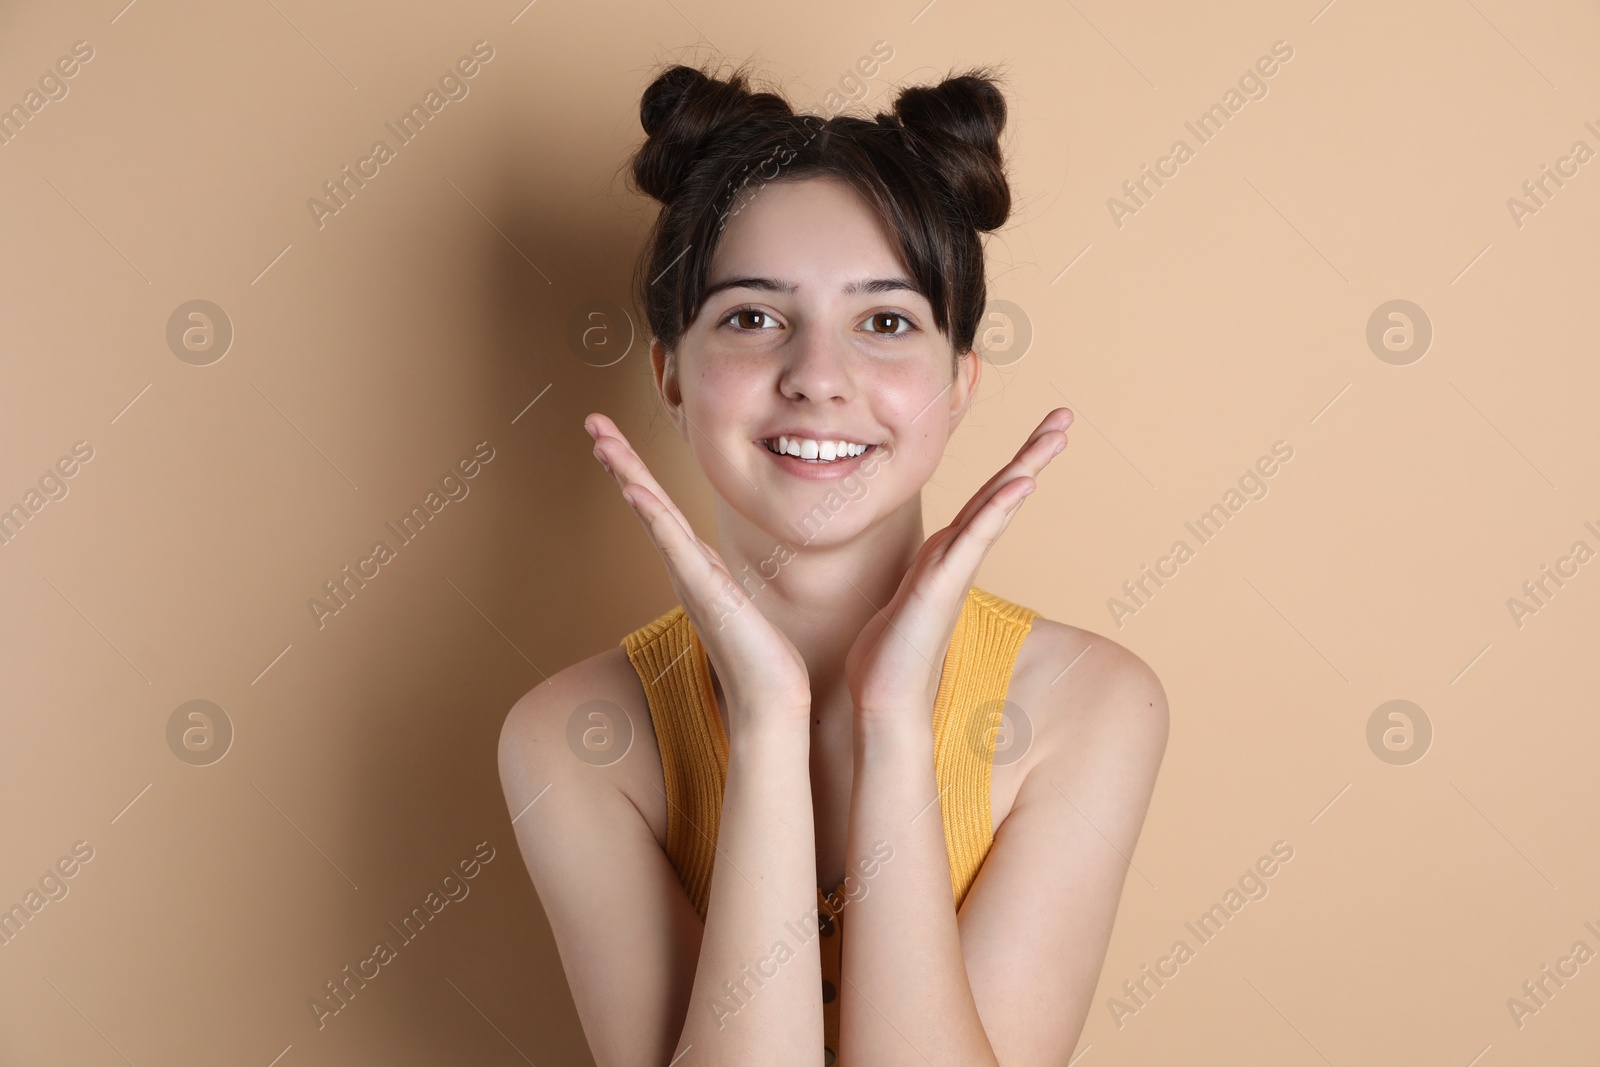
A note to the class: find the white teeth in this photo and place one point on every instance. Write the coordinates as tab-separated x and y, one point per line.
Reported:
815	451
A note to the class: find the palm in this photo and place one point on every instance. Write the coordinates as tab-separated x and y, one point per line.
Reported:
895	664
899	652
759	666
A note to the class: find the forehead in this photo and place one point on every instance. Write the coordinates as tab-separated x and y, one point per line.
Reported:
814	229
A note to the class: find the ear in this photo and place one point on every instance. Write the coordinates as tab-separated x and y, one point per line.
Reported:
664	369
964	387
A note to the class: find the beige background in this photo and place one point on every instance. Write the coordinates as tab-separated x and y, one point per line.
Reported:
1229	313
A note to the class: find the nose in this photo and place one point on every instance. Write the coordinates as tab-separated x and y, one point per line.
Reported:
818	367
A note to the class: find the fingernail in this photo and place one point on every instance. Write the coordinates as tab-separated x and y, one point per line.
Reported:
602	460
1059	448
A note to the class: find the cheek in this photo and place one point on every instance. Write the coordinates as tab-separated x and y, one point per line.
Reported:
913	403
913	463
721	401
916	410
718	403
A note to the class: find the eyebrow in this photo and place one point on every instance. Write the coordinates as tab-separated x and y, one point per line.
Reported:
773	285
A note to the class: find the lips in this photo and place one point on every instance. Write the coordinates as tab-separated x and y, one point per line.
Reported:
816	469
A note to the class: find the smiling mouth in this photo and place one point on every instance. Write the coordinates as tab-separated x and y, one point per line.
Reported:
771	445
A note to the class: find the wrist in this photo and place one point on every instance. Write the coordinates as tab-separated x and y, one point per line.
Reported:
892	716
893	735
781	732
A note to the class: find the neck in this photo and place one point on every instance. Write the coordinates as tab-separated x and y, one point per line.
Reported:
821	596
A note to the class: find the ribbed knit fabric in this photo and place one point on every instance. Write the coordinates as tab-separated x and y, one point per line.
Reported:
672	665
676	674
966	715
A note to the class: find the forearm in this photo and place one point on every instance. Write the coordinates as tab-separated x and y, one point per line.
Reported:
906	995
757	996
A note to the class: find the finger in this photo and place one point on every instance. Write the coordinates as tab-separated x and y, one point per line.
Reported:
640	489
696	569
943	572
949	552
965	551
700	579
691	572
1056	421
1044	444
626	465
940	580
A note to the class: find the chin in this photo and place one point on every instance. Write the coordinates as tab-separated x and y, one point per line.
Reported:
831	515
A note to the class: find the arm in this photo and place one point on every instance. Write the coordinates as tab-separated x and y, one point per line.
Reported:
643	970
758	990
627	935
1024	954
757	995
906	998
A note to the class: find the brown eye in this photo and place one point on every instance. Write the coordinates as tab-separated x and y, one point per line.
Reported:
889	318
746	320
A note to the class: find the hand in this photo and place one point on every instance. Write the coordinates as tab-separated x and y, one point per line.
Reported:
762	672
893	669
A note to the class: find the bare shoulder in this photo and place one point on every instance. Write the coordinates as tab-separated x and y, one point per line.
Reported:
574	754
535	729
591	720
1099	727
1079	686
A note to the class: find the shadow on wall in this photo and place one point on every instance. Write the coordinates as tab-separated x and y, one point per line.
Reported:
551	568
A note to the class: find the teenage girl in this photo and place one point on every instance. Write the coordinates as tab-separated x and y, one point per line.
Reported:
840	805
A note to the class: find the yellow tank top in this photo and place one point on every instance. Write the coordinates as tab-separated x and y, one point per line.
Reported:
672	664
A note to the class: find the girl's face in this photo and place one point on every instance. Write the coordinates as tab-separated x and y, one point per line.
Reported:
812	330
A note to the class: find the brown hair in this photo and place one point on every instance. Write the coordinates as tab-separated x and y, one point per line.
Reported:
931	168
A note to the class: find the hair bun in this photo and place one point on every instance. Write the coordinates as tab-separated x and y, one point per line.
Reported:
683	111
955	128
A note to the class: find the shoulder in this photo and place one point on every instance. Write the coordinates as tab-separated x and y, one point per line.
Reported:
537	722
588	723
574	756
1063	852
1081	688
